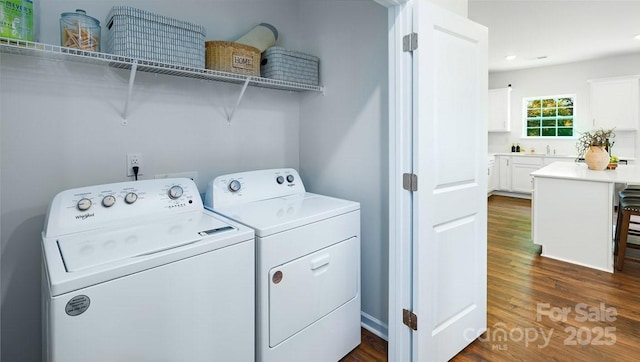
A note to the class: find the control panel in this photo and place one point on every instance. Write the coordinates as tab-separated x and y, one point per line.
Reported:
91	207
243	187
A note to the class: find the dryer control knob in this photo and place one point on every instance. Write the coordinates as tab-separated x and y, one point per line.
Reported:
175	192
290	178
84	204
130	198
280	180
108	201
234	186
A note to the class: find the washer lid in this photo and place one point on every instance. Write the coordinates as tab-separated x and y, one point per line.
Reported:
283	213
98	247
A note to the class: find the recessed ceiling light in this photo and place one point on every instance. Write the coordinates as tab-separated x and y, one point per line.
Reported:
637	37
510	57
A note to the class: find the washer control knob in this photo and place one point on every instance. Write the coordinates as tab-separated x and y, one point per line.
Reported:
290	178
234	186
84	204
130	198
280	180
175	192
108	201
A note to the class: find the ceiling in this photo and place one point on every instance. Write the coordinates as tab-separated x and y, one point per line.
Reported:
548	32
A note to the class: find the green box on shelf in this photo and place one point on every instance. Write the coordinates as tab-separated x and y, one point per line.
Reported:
16	19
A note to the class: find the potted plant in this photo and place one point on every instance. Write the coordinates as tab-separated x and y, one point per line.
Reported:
595	146
613	162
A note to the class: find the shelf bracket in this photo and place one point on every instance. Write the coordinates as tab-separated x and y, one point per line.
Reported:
244	88
132	78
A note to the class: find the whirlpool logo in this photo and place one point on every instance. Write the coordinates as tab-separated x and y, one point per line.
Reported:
84	216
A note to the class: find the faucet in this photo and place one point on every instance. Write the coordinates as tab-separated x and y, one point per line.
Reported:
548	150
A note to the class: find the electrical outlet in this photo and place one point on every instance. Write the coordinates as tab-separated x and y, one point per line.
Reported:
191	174
134	159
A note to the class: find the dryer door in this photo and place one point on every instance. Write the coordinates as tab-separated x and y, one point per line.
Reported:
306	289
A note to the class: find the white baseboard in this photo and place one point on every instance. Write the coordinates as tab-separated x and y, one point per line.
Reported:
511	194
374	325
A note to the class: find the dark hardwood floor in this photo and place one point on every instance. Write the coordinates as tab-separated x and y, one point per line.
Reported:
540	309
372	348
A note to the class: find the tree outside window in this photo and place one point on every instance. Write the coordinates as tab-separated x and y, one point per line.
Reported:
549	116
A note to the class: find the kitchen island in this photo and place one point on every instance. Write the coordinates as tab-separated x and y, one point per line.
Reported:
572	212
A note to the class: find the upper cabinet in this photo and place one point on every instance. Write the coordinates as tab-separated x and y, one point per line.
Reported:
614	102
499	110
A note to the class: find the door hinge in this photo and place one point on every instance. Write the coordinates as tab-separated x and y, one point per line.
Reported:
410	181
410	42
410	319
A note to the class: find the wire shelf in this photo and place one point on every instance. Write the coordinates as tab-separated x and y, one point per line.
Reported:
49	51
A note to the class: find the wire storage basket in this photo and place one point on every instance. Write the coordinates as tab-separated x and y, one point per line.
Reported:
142	34
289	65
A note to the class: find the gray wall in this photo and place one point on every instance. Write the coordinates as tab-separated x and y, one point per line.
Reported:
60	128
562	79
343	135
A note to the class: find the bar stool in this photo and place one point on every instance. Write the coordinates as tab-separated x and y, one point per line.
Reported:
629	205
629	192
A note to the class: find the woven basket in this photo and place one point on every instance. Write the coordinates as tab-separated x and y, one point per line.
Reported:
232	57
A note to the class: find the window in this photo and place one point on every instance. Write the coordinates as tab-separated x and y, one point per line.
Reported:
549	116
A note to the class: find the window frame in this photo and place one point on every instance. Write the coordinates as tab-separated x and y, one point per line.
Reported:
525	103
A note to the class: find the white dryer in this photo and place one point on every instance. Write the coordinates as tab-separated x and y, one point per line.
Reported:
139	271
308	263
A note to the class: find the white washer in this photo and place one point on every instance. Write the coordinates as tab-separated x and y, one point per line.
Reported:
308	263
139	271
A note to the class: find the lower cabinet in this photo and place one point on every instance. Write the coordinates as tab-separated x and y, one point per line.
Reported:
504	173
492	177
512	173
515	173
521	169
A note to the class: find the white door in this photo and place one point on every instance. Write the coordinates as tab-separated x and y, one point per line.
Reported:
450	160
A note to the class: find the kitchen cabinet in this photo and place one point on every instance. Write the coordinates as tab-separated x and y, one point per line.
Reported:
521	168
504	173
499	119
492	176
572	210
514	172
614	102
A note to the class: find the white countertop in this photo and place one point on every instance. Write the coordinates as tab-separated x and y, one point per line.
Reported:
529	154
579	171
492	156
